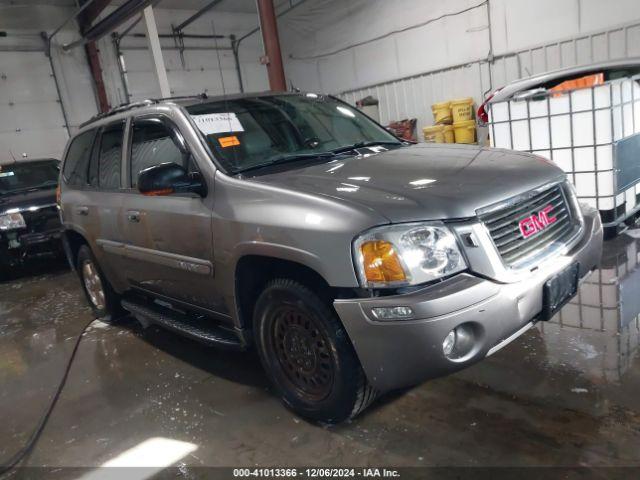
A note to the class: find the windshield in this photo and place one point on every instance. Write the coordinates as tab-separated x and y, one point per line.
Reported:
28	176
249	132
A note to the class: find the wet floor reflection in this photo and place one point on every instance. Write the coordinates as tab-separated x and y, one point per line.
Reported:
607	308
586	357
41	314
563	394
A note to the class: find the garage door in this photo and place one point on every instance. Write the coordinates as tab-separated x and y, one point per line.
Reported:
31	121
199	73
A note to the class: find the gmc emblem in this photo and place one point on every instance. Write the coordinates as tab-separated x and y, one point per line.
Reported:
536	222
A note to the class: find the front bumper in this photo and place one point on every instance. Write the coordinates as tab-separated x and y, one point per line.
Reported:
402	353
18	246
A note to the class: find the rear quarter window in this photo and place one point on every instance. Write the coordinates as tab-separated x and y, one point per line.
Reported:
76	163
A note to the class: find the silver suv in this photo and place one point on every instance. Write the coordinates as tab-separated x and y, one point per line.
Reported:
354	262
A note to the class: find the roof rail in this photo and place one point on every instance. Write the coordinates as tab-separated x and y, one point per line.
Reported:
202	96
123	107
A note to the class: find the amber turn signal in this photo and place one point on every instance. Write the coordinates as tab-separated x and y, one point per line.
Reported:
381	262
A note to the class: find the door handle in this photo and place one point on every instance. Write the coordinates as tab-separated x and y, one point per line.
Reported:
82	211
133	216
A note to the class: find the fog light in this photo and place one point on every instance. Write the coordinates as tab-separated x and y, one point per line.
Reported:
392	313
460	342
449	343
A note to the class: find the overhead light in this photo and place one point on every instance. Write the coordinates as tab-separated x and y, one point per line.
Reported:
333	169
313	218
347	187
346	111
422	181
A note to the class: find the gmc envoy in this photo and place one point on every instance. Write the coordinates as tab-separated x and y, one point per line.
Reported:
354	262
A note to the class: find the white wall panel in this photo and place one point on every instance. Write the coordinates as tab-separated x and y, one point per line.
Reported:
31	121
400	98
409	71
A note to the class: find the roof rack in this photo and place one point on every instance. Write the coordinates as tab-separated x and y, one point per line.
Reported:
144	103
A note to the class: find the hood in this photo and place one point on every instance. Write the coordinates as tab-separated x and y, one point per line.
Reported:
422	182
26	200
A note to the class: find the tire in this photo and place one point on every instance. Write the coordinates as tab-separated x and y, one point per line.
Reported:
104	301
5	272
307	354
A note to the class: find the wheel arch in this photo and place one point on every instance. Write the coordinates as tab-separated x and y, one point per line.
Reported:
72	240
252	273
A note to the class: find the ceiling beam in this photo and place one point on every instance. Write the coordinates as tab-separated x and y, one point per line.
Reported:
87	17
197	15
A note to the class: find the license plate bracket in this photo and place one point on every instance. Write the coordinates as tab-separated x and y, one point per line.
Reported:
558	290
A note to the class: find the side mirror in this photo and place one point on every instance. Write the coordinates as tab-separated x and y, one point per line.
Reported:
169	178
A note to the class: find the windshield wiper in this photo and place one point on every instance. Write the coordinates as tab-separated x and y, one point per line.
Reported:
356	145
294	157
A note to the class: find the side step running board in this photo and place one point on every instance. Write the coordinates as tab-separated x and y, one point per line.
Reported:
202	330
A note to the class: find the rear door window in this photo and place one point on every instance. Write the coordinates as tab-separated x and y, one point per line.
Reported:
152	143
110	156
76	163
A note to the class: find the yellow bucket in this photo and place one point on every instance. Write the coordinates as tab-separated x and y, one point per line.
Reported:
434	134
465	132
441	112
462	109
449	136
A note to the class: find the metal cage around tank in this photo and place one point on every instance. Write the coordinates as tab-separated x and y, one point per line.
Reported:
592	133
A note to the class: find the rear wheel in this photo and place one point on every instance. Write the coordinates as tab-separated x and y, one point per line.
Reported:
104	302
307	354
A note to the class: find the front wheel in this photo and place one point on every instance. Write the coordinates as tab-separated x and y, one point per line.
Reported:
307	353
104	302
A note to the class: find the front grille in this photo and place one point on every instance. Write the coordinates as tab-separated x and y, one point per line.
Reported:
504	226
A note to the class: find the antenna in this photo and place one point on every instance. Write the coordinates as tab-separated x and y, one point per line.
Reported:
13	156
224	90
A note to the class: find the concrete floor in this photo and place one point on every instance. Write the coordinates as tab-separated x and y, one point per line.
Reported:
565	394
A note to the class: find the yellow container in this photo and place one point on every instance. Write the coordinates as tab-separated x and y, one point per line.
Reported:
465	132
462	109
449	136
441	112
434	134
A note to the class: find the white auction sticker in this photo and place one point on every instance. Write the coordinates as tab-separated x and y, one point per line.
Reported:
218	123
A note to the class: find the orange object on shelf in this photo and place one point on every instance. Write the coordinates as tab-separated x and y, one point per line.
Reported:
582	82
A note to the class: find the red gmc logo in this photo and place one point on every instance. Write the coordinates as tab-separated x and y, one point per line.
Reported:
536	222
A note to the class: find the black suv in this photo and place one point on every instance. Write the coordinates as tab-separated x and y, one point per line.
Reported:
29	219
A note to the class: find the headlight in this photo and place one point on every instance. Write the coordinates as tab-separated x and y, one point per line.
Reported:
11	221
407	254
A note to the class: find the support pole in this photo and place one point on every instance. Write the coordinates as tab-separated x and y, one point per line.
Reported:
96	73
273	54
156	51
197	15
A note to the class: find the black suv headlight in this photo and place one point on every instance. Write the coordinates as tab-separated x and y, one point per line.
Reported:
11	221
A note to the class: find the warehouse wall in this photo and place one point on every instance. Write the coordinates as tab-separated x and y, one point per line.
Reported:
31	121
438	60
200	69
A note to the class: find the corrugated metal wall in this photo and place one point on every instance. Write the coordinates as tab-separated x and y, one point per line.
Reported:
412	97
